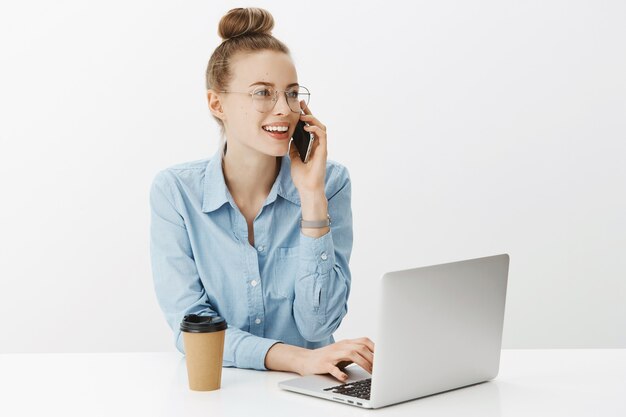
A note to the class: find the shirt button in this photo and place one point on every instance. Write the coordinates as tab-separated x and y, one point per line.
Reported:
260	248
258	321
324	256
253	282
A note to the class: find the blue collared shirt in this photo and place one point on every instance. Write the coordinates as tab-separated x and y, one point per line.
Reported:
288	288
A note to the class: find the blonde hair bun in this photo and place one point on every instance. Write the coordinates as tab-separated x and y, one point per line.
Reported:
245	21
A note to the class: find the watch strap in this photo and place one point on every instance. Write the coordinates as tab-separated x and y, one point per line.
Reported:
316	224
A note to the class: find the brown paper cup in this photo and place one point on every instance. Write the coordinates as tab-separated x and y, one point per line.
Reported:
204	351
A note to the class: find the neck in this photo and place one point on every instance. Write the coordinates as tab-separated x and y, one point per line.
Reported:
249	175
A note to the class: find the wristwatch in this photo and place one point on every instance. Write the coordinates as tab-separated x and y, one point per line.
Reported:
316	224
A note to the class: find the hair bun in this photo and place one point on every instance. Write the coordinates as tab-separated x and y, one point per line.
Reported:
245	21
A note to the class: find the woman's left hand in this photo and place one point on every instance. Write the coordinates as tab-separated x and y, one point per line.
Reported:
310	177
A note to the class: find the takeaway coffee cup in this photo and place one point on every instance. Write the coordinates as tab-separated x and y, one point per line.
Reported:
203	337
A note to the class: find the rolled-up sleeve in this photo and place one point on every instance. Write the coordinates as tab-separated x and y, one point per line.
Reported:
323	281
177	284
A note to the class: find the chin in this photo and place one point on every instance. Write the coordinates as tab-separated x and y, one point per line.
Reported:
273	152
280	150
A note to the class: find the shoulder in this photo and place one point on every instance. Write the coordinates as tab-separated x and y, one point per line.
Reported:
337	177
336	169
184	176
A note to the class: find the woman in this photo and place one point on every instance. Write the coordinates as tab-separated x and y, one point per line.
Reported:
245	234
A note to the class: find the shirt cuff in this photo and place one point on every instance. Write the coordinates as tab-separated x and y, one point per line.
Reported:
254	349
317	254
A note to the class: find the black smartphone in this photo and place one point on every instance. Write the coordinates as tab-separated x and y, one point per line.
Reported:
303	141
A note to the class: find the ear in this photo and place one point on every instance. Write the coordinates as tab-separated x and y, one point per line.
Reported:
215	105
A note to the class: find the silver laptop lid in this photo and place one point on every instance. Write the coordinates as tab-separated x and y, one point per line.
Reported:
439	328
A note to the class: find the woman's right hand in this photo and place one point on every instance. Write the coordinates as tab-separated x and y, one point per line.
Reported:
329	359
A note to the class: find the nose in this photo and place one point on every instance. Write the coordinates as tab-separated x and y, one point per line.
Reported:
281	106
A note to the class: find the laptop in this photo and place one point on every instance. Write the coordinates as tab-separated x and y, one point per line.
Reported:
438	328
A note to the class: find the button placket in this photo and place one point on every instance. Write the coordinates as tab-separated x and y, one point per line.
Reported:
255	290
255	294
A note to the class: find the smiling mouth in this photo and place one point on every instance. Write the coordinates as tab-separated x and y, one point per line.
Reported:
279	129
278	134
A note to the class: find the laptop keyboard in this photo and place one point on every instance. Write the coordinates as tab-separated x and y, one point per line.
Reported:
358	389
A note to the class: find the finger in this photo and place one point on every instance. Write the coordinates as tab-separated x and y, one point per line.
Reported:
364	350
352	355
368	356
319	133
337	373
309	118
367	342
304	107
355	357
366	353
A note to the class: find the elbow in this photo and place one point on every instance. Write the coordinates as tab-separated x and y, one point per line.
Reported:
178	342
318	329
317	315
315	333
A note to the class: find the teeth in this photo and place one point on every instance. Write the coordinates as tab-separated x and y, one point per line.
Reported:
276	128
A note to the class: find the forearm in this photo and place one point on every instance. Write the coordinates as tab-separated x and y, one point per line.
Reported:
284	357
323	278
314	207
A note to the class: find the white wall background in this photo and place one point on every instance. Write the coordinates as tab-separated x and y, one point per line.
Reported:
469	128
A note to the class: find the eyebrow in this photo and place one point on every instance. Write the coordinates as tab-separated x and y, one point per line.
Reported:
272	84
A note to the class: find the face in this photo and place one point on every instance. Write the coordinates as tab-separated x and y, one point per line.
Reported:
242	122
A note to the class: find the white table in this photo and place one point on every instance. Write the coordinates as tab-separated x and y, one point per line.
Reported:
531	383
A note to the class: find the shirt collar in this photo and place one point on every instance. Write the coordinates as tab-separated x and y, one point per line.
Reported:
216	193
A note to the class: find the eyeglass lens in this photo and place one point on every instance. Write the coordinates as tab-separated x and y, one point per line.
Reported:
265	98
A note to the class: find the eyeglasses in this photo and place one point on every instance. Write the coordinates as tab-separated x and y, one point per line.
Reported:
264	98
